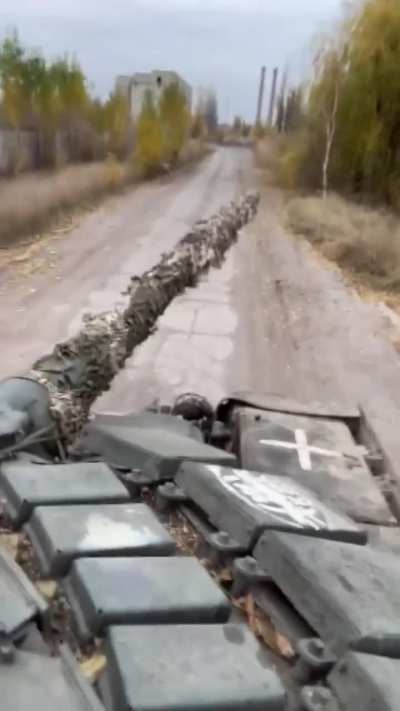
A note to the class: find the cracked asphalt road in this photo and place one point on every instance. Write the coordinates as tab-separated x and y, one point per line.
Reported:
90	266
274	317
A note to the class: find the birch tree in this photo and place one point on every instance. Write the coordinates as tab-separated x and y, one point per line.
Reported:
352	121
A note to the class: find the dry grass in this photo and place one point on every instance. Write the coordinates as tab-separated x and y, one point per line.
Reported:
362	240
193	151
268	152
27	203
278	159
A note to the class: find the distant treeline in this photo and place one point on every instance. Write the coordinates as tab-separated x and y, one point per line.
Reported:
53	100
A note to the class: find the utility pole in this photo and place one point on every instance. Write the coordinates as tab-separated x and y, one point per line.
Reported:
260	96
281	121
284	83
273	96
228	110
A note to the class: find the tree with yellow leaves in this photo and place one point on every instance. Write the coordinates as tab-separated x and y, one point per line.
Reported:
149	145
352	125
117	124
175	121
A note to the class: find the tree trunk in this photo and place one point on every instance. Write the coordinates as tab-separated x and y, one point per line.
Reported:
330	137
17	162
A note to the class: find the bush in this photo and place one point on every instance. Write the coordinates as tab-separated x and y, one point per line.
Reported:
259	132
290	166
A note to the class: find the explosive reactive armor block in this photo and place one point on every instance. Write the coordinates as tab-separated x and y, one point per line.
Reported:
348	594
363	682
316	452
27	485
137	591
62	533
187	667
244	504
20	601
36	681
151	443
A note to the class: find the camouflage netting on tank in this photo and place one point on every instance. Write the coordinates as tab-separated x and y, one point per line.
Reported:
83	367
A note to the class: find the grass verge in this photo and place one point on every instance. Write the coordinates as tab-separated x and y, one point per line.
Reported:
31	203
363	241
268	156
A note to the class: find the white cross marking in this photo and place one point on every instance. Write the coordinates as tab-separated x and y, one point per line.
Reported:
280	497
304	450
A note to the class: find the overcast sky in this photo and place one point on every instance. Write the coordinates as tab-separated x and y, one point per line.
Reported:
222	43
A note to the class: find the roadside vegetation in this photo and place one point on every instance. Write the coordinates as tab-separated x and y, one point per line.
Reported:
83	147
364	241
50	102
42	200
162	130
35	201
337	146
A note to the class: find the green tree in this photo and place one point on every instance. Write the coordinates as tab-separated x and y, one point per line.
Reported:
293	113
370	100
13	90
70	87
353	111
48	96
16	87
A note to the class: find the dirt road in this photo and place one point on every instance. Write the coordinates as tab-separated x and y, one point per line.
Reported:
274	318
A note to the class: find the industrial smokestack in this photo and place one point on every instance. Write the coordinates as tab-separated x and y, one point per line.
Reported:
260	96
